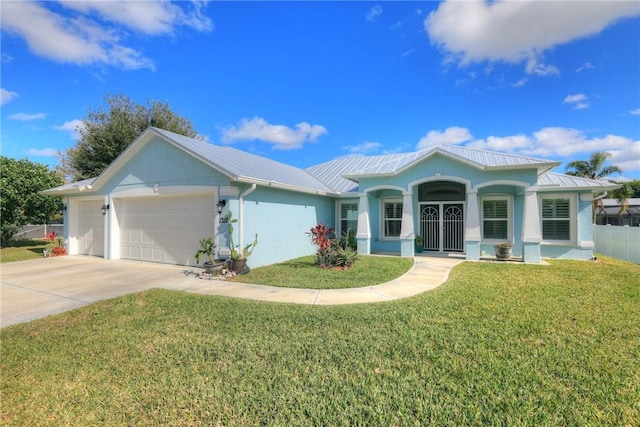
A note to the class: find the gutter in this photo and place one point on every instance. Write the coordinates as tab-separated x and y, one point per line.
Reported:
241	215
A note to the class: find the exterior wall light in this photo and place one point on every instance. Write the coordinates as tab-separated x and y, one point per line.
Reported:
221	204
104	209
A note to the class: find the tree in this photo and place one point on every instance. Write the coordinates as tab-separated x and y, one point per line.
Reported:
108	130
628	190
20	201
593	168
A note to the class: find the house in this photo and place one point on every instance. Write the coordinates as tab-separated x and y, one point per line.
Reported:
609	212
166	191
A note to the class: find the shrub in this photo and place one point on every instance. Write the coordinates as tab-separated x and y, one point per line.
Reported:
333	252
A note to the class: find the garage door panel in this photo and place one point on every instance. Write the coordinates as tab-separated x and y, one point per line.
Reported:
165	229
90	228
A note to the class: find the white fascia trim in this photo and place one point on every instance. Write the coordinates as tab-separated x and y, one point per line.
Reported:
274	184
557	188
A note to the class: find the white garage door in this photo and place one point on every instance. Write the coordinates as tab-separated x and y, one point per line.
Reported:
165	229
90	232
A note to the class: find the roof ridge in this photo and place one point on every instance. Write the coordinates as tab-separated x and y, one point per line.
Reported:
520	156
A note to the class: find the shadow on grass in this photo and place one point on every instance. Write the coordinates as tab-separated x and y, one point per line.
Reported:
25	242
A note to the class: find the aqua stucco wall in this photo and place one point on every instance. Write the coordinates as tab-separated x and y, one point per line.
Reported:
159	162
281	219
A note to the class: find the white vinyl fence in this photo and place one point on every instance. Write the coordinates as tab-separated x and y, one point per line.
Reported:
38	231
618	242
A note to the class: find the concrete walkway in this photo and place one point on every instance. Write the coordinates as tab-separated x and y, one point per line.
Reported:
34	289
427	273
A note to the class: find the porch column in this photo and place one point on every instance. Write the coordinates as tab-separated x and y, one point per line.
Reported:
472	236
531	230
363	236
406	229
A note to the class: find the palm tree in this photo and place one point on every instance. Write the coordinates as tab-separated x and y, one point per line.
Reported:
593	169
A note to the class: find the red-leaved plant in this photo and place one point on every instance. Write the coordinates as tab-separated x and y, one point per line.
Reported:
322	236
332	252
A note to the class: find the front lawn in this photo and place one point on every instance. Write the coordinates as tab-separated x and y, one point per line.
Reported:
22	250
303	273
498	344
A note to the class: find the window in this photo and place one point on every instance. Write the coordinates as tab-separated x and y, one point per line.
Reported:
349	217
392	218
496	218
556	218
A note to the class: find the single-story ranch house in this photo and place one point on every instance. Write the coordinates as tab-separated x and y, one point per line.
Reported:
163	193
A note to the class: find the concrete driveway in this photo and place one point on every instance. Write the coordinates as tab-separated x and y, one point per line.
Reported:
41	287
38	288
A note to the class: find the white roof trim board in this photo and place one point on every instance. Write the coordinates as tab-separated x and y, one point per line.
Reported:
336	177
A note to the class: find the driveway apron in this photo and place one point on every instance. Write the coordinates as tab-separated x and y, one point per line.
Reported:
38	288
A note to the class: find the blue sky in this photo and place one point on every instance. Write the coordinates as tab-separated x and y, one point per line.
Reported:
305	82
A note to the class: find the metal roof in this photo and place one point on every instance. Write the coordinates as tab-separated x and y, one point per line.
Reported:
242	166
558	181
85	184
338	176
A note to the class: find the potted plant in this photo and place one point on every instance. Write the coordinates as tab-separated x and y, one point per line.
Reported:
419	243
239	255
207	247
503	250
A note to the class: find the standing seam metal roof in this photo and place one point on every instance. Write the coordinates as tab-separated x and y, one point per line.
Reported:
240	164
329	177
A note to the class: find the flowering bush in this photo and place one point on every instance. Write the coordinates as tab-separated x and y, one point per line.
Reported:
57	248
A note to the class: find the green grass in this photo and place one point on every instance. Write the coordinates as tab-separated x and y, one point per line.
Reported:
498	344
22	250
303	273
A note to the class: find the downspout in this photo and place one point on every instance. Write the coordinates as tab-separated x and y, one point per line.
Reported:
241	215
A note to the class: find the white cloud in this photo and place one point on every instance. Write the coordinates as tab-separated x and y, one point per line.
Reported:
534	67
72	126
585	66
553	142
79	38
7	96
374	13
364	148
25	117
580	101
148	17
626	158
45	152
520	83
283	137
517	31
635	112
452	135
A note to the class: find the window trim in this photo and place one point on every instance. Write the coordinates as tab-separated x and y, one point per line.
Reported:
509	199
573	218
383	202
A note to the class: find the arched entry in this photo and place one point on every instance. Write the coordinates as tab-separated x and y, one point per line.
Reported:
441	215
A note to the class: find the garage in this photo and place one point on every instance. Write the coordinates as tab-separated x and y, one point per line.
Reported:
90	228
164	229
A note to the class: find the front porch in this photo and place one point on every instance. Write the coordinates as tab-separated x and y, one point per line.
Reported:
450	218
